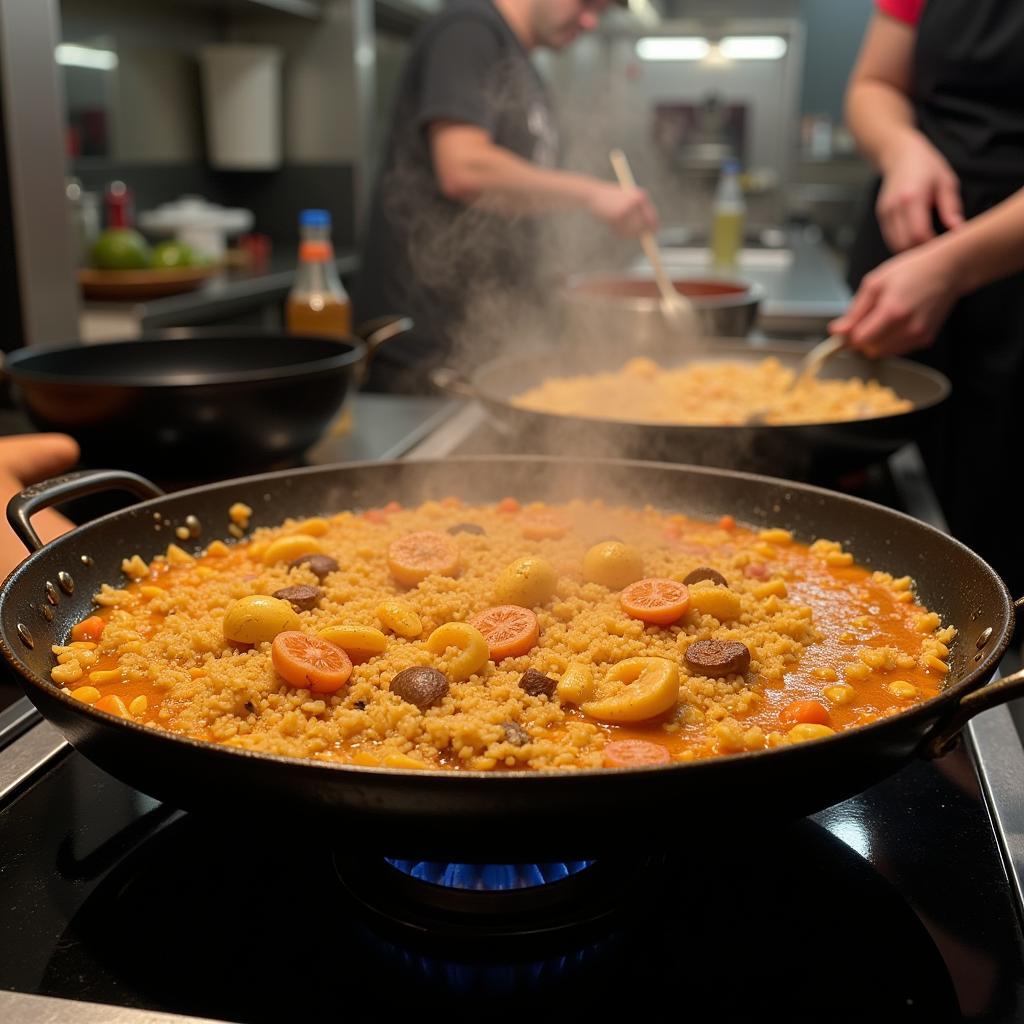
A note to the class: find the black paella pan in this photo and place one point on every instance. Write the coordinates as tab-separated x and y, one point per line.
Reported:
488	816
798	451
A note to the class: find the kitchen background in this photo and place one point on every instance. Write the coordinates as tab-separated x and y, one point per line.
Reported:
124	100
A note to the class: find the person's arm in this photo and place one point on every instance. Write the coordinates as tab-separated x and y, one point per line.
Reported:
916	178
27	459
471	168
901	305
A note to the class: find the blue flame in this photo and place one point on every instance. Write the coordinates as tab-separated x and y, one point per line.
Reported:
489	877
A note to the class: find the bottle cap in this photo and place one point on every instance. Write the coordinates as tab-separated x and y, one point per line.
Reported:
731	166
314	219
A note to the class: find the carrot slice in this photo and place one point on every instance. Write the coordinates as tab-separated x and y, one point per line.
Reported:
654	600
309	663
634	754
545	524
90	630
508	629
805	711
416	556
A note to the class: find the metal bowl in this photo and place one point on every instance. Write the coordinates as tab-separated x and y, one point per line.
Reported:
627	307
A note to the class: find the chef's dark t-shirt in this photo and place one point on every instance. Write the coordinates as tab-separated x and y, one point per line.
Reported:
425	255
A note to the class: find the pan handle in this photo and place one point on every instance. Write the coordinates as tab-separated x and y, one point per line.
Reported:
23	506
377	331
445	378
947	731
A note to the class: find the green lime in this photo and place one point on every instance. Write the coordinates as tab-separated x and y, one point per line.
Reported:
120	249
172	254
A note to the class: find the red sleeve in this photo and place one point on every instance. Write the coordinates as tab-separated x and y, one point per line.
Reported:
908	11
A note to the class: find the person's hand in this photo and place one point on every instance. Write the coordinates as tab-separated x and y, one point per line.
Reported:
627	211
901	305
916	179
26	459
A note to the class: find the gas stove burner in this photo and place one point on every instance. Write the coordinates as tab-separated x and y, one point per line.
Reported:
489	877
498	901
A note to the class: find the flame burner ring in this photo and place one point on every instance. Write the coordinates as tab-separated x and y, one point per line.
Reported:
504	901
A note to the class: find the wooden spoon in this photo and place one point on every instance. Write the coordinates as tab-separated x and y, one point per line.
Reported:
675	307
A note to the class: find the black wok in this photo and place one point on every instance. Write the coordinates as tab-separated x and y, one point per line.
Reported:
194	402
797	452
480	816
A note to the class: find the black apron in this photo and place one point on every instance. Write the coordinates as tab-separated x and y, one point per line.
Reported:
968	93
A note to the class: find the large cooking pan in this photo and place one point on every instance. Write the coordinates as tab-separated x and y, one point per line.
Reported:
195	402
502	815
798	452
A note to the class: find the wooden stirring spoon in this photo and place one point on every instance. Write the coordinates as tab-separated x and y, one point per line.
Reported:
675	307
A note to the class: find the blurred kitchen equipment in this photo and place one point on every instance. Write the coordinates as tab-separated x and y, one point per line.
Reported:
242	105
84	208
317	303
675	307
188	402
728	214
797	451
628	307
252	251
201	226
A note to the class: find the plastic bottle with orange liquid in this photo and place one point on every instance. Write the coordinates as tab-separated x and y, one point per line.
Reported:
318	303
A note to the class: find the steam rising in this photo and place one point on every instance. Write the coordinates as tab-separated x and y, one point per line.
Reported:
503	276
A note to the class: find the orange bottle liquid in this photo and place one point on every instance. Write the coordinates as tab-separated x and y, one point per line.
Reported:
317	302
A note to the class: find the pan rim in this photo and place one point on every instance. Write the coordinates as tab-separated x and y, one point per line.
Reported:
354	352
982	671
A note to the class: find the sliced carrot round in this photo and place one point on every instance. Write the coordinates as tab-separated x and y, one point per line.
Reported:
805	711
545	524
309	663
654	600
508	629
416	556
88	630
634	754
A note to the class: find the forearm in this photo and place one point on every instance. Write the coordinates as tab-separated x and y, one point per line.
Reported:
986	248
492	176
881	119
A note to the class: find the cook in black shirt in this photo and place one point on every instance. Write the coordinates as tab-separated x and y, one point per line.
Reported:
469	166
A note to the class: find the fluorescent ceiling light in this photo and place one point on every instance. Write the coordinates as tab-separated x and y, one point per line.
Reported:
753	47
673	48
74	56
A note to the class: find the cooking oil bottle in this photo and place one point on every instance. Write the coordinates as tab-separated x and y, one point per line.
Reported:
318	302
728	213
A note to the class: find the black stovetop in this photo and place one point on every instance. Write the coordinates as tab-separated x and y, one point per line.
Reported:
895	905
889	907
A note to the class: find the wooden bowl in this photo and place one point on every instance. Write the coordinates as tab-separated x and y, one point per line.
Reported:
141	284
